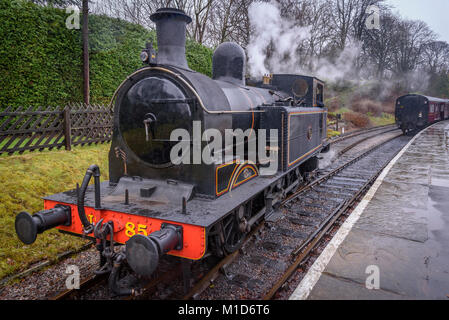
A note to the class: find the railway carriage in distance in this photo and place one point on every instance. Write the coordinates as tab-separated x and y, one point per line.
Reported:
414	111
153	206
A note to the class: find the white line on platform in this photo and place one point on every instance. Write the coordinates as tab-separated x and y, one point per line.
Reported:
313	275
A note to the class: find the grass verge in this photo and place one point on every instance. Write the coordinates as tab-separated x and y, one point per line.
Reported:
374	121
383	120
25	180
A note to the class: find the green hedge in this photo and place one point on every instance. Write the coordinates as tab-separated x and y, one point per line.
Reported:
41	60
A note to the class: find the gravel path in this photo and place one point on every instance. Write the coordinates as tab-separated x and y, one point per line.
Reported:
46	283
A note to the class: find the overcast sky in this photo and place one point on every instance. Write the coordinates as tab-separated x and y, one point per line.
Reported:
434	12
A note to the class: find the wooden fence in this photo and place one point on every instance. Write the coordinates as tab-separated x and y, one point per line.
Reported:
41	128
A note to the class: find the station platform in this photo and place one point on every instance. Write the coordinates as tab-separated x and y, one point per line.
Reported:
395	244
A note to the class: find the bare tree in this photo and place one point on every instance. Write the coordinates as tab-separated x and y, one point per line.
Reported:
378	46
436	56
398	48
225	17
342	16
360	16
200	13
411	37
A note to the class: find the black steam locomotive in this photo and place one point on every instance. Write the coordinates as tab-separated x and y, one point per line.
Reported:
190	208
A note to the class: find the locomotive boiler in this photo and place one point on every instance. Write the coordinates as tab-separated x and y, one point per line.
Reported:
191	208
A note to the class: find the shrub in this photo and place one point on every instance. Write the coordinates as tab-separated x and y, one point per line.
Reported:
366	106
333	104
374	107
199	57
39	57
359	106
41	60
357	119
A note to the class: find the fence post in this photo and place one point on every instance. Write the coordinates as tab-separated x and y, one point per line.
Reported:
67	129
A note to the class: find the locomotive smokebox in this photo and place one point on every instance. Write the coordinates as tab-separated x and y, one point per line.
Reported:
28	226
171	36
143	252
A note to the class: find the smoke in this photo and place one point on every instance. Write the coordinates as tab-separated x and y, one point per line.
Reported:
342	67
270	30
326	159
285	42
278	45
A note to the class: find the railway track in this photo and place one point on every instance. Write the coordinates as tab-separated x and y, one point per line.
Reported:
321	229
360	132
364	138
46	263
86	284
340	212
308	216
344	143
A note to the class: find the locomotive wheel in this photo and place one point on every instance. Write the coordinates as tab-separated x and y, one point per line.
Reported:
232	235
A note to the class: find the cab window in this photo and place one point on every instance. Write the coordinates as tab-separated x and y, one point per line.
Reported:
320	95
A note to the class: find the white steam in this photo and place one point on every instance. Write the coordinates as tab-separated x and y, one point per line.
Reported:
342	67
278	45
269	28
284	39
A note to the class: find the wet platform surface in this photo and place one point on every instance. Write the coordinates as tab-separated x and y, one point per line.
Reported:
403	232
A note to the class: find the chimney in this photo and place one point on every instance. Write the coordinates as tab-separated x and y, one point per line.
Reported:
171	36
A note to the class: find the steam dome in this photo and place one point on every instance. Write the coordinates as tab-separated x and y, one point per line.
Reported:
229	63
